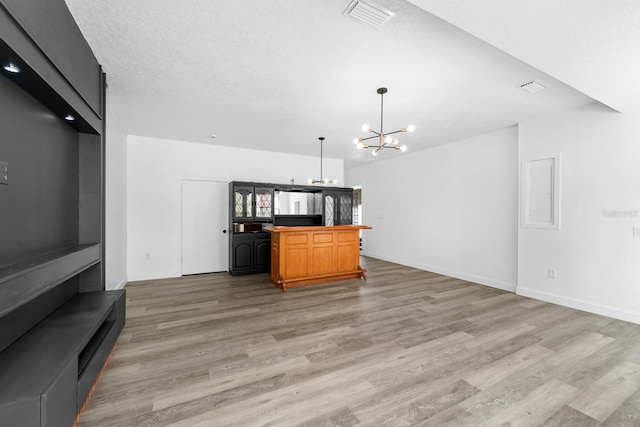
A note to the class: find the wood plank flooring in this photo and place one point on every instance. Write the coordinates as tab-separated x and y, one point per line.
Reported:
406	347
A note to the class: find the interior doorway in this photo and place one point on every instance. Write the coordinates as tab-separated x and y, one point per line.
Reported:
205	218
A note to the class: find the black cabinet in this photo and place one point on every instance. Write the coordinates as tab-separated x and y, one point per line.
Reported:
250	253
242	254
338	206
250	201
262	254
250	206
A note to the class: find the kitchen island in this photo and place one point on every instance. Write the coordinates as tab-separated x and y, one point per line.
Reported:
315	254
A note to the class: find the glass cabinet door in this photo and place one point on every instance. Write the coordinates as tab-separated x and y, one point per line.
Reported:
329	209
243	202
264	203
346	208
338	207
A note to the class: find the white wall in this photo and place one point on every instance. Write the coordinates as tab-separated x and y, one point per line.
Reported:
451	209
595	254
155	168
116	205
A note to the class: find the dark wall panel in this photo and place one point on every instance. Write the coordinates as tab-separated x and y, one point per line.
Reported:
39	206
50	24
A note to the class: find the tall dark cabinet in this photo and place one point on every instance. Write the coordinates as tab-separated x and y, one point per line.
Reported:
250	206
58	325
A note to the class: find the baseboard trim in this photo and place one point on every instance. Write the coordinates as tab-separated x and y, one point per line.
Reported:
120	285
154	275
578	304
510	287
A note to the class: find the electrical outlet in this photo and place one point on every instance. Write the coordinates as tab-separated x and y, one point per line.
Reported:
4	173
552	273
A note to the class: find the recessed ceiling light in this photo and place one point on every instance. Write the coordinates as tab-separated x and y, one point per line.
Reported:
213	135
12	68
69	118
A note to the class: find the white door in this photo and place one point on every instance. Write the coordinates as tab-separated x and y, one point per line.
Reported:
205	218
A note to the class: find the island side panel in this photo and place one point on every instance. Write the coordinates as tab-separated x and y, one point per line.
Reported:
348	251
275	259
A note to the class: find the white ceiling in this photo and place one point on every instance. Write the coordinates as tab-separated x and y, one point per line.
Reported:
591	45
275	75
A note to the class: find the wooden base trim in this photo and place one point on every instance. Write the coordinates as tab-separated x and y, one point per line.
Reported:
93	387
283	283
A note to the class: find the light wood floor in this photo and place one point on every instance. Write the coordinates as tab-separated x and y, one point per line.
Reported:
406	347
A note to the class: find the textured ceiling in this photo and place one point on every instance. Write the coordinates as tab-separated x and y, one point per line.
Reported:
275	75
591	45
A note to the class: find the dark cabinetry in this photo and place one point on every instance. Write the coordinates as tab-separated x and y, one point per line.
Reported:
251	202
338	206
251	253
250	206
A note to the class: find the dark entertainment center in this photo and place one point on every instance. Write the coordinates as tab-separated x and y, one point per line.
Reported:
253	205
58	325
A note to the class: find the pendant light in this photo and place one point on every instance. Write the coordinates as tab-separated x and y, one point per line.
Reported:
323	181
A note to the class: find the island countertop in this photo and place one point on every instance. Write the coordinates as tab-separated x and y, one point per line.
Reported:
304	228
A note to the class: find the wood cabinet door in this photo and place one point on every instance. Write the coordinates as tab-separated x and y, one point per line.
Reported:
322	249
348	252
294	255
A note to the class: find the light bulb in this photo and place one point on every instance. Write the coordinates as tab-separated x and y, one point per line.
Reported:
69	118
310	181
403	148
395	141
356	140
388	140
11	68
375	152
365	128
411	128
360	146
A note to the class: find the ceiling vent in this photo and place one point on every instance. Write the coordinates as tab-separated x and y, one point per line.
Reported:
368	13
533	87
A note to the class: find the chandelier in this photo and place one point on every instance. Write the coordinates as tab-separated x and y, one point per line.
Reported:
384	140
323	181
